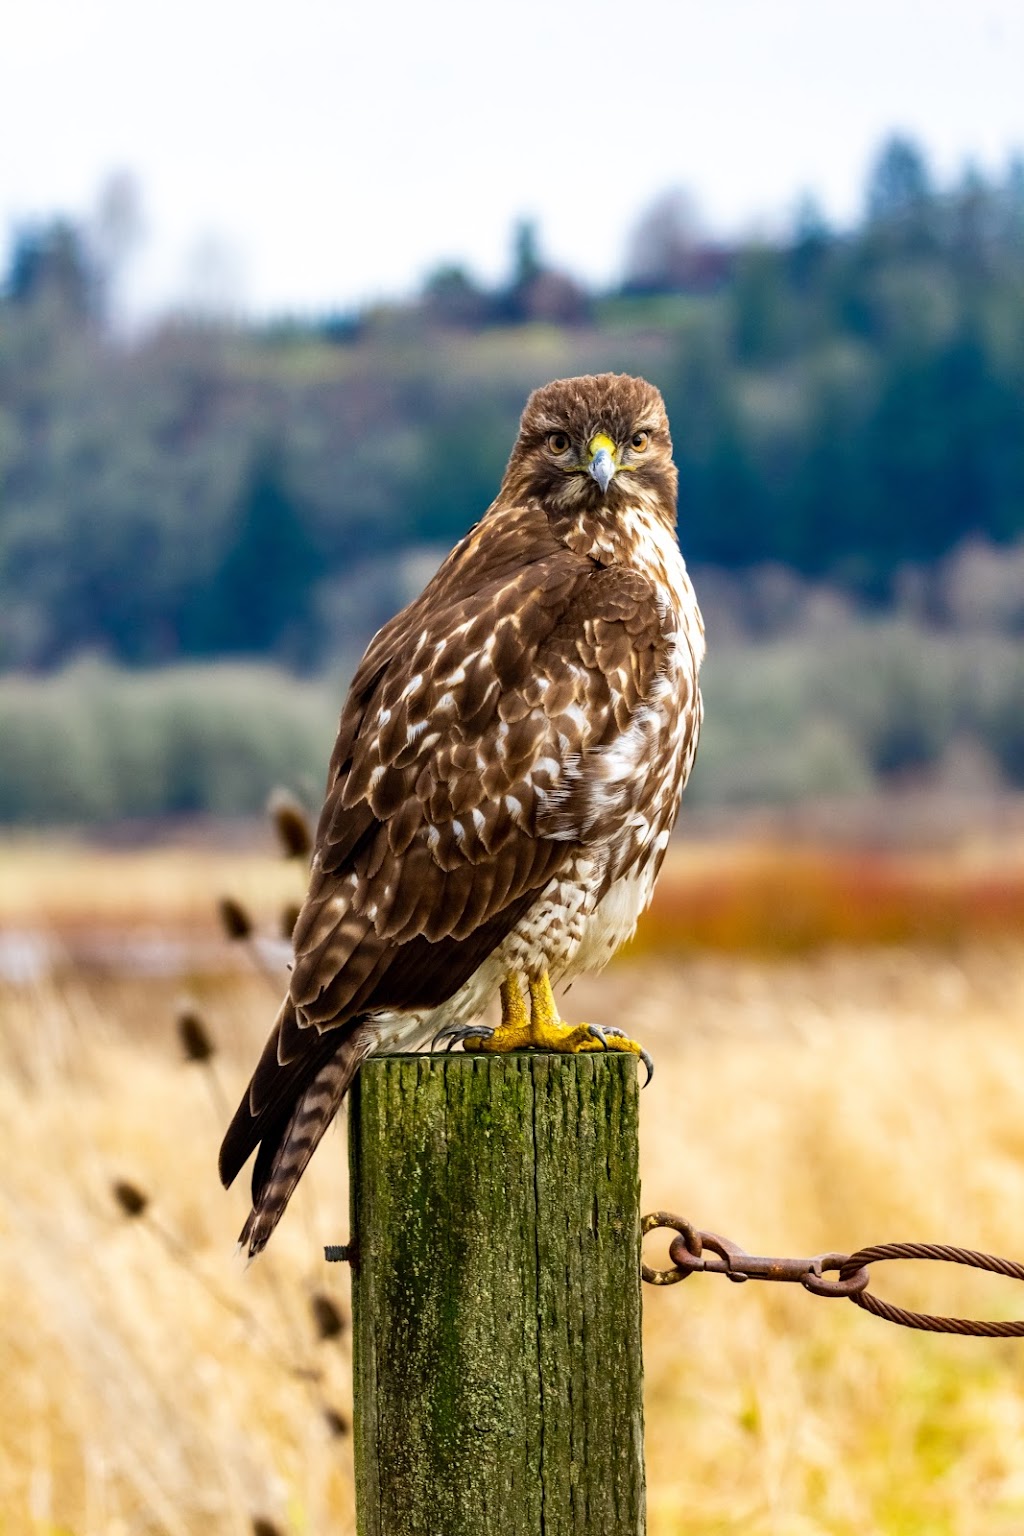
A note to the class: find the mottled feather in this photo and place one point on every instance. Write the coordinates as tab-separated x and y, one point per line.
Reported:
512	748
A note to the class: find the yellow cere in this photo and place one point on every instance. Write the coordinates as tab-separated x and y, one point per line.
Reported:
599	442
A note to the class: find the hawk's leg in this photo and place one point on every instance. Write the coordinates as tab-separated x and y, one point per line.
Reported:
542	1028
514	1031
511	1034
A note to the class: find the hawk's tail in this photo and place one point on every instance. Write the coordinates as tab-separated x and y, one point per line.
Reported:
287	1109
299	1140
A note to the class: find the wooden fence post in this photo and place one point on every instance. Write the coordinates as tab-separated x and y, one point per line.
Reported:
496	1296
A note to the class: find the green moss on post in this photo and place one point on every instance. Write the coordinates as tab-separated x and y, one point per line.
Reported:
496	1296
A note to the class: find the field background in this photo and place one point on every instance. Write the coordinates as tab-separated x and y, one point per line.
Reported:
811	1093
203	518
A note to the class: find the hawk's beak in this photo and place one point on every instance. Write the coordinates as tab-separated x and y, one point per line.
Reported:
601	464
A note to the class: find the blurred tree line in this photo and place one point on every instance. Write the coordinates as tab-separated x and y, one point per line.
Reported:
847	417
847	404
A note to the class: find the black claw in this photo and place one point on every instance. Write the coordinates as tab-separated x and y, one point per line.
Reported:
456	1036
603	1033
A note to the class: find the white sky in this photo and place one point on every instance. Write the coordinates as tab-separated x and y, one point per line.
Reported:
333	152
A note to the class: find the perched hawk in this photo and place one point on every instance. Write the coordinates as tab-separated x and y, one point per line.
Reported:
506	776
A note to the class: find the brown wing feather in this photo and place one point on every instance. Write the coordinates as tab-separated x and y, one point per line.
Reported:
456	790
444	827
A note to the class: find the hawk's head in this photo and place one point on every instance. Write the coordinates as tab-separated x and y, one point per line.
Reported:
597	444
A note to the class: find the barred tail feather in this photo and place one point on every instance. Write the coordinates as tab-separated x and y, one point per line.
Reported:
280	1166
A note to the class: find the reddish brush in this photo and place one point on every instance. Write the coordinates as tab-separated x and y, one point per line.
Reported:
781	901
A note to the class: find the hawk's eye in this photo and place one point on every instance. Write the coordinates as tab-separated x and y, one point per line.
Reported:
639	441
558	442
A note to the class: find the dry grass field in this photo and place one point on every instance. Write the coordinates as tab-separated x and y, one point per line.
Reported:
819	1097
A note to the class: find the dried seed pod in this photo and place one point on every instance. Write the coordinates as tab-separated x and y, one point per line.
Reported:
235	920
129	1197
336	1422
291	823
326	1316
196	1042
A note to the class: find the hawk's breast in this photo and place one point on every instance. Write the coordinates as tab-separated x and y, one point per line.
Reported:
650	762
634	785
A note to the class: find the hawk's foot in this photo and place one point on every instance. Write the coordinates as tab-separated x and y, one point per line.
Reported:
539	1028
511	1034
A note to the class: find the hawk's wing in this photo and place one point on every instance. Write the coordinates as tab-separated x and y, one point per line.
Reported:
459	781
470	757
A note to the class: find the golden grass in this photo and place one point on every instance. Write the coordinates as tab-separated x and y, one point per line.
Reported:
798	1105
60	886
856	1098
767	896
151	1383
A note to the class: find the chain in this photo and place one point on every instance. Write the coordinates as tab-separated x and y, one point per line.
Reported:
688	1255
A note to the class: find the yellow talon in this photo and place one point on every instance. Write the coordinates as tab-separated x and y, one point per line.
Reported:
542	1029
513	1033
549	1032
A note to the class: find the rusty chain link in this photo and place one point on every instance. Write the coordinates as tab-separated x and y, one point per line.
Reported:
687	1253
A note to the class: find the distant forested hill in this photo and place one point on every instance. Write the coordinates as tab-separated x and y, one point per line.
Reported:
849	405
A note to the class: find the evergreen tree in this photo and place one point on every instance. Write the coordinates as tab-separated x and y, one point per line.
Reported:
260	599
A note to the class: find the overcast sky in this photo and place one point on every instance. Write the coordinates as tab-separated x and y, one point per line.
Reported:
310	155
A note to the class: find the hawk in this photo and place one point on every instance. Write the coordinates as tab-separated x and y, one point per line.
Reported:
506	776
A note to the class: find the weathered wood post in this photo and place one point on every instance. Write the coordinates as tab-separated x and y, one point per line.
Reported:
496	1296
